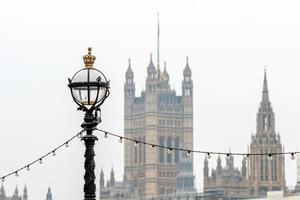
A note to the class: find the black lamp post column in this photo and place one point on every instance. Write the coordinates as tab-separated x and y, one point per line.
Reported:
89	139
89	88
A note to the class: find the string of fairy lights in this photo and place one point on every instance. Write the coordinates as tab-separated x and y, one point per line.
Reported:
208	154
41	158
188	152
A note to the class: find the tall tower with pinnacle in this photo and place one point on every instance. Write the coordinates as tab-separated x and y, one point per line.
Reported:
266	172
157	116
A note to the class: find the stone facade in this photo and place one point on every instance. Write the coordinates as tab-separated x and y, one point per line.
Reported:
259	174
157	116
228	181
15	196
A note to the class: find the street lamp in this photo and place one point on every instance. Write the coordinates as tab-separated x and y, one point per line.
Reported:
89	88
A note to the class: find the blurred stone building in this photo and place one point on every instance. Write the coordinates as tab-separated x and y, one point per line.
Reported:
226	181
15	196
259	174
266	172
157	116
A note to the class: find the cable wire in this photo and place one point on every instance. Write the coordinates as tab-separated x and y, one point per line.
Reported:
207	153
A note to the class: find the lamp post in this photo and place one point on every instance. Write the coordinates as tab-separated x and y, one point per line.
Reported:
89	89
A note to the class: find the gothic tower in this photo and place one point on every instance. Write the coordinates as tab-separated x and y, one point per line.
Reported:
266	172
161	117
157	116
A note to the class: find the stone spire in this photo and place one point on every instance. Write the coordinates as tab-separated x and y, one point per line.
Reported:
25	195
151	69
2	192
112	177
129	86
265	95
16	193
101	179
187	70
129	72
165	73
265	116
49	194
187	83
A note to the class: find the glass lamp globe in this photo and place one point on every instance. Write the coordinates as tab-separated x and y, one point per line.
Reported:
89	86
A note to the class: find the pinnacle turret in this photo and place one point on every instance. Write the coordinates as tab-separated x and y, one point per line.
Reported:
265	95
151	68
101	178
49	194
2	191
25	195
129	72
187	70
112	177
165	73
265	115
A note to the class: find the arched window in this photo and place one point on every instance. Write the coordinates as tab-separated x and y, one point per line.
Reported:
161	191
187	92
176	153
161	150
169	144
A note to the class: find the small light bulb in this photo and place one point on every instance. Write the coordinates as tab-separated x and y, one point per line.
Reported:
228	154
16	173
136	143
53	153
293	156
189	153
41	161
105	135
79	135
27	168
121	140
152	146
208	156
3	179
67	144
169	150
248	156
270	157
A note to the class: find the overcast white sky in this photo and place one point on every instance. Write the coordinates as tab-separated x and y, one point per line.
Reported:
228	43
